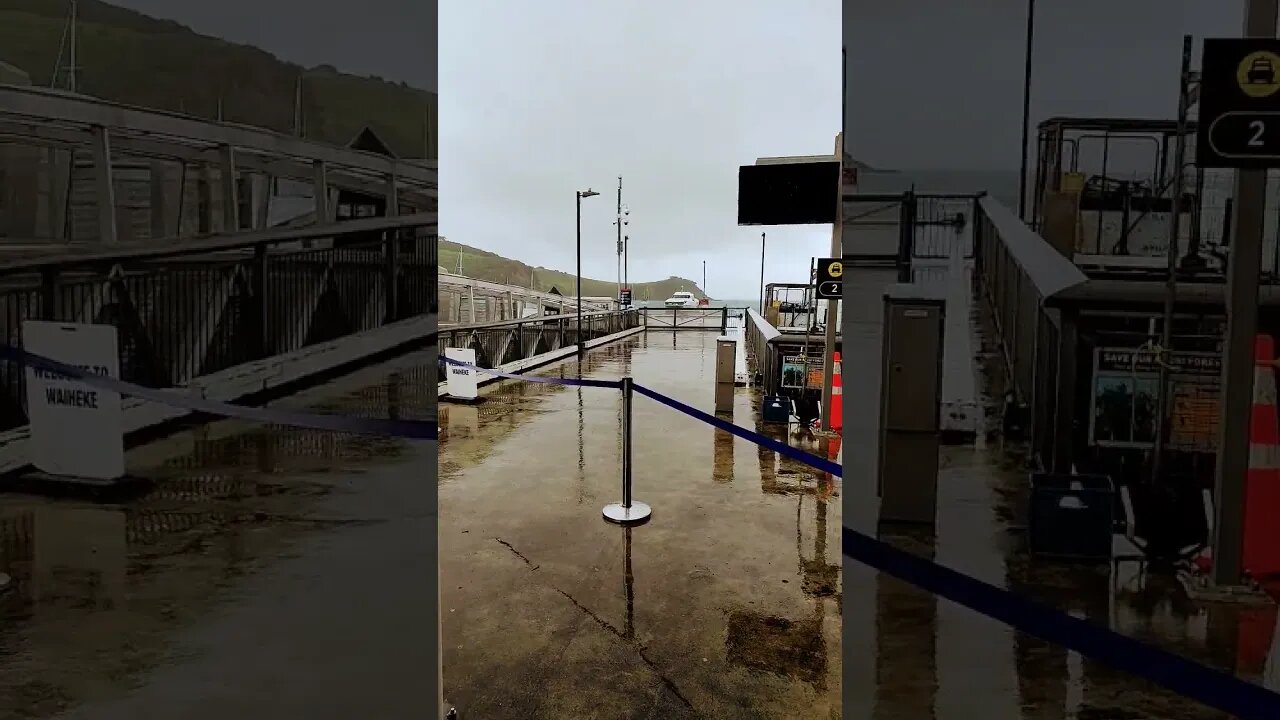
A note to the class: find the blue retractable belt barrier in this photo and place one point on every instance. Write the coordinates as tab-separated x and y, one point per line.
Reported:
1184	677
416	429
775	445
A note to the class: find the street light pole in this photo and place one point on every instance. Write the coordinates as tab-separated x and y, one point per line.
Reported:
578	334
1026	110
762	273
618	222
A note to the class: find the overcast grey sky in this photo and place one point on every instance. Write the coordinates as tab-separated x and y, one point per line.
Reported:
938	83
394	39
539	100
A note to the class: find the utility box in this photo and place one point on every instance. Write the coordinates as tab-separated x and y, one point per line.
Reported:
911	404
726	352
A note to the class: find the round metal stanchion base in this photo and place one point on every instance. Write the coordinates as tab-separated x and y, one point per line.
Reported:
634	515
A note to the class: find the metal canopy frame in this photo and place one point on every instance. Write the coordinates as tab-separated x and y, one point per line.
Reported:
1058	136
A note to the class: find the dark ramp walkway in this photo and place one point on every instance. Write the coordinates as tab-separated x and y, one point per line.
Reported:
273	573
725	605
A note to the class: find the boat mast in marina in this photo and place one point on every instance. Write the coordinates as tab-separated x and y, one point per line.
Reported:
67	46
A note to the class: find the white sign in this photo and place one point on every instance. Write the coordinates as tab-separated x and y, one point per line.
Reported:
76	430
461	382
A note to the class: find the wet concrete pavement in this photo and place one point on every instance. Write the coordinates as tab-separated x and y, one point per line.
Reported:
911	655
704	590
724	605
280	573
272	573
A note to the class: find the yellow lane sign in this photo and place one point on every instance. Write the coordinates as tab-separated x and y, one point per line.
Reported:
1259	74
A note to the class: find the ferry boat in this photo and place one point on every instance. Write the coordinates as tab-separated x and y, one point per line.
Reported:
682	299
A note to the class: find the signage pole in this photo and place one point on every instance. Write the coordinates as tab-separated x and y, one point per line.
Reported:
1243	267
1171	281
833	307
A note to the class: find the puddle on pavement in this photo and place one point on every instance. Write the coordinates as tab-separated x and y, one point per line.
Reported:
777	645
97	593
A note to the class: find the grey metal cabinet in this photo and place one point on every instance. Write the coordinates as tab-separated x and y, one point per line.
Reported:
910	404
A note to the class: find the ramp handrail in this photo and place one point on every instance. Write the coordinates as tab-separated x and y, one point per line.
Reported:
1019	274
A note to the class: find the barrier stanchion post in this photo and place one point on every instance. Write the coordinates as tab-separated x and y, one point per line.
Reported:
627	512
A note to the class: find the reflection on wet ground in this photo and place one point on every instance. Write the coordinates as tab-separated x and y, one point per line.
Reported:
922	657
912	655
725	605
267	563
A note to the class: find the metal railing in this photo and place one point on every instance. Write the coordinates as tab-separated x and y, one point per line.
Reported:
499	343
893	229
694	318
208	305
49	117
1017	271
762	360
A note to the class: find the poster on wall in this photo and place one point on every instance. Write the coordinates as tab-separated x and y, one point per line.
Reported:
1126	385
796	367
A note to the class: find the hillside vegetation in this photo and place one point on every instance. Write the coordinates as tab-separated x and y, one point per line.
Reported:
135	59
484	265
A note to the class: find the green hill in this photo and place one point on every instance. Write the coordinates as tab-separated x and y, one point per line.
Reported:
484	265
132	58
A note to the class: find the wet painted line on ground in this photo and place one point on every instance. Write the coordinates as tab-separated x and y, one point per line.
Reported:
1187	678
411	429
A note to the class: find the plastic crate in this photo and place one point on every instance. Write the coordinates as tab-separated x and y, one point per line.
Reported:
776	409
1071	516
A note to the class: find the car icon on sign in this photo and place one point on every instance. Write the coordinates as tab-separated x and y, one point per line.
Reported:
1261	72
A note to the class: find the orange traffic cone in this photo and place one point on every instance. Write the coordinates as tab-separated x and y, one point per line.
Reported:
1262	481
837	395
1254	630
1262	484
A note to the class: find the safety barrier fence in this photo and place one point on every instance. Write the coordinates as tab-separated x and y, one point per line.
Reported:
762	358
691	318
499	343
188	310
1214	688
